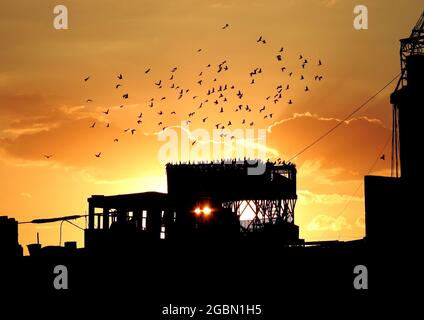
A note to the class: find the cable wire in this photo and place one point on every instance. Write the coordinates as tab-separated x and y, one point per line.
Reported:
343	121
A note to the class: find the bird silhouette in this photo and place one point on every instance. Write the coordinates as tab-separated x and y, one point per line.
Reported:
158	83
48	156
93	125
133	131
199	50
279	57
204	119
118	85
89	100
261	40
306	88
222	110
160	113
302	77
319	62
140	115
125	96
290	102
226	26
98	155
115	140
108	125
120	77
147	71
282	49
86	79
383	157
106	112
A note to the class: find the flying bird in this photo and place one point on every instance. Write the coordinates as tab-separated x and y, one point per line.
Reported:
133	130
261	40
383	157
89	100
147	71
98	155
106	112
319	62
48	156
120	77
115	140
118	85
226	26
125	96
93	125
86	79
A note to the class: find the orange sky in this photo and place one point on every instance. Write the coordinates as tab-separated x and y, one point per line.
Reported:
43	108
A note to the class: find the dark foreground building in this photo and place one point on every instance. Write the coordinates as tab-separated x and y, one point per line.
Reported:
205	202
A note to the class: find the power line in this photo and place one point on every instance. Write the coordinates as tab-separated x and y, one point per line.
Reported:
343	121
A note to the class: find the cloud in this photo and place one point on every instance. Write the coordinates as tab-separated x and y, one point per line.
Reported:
308	197
26	195
324	222
329	3
360	222
347	153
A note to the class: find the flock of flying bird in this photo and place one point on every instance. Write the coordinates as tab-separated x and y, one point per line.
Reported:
217	95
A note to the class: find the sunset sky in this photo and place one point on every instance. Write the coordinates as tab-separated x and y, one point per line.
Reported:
44	108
